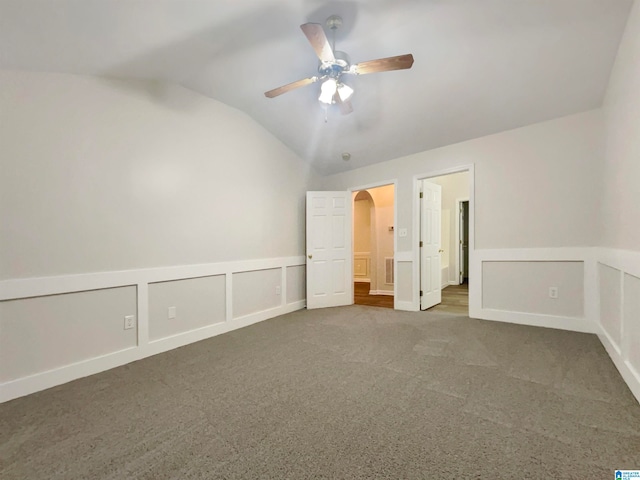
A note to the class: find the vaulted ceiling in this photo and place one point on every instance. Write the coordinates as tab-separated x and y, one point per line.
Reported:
481	66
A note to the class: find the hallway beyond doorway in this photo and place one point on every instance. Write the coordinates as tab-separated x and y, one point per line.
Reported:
455	299
361	296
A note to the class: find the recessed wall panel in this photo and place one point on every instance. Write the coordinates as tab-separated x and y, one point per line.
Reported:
198	302
404	280
296	283
523	286
44	333
255	291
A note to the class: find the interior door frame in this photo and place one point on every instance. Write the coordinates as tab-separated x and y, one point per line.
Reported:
382	183
475	299
459	202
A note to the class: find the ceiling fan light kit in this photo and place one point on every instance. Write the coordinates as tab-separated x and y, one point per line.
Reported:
334	64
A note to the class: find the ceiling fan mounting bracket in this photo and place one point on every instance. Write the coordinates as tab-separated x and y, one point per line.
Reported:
334	22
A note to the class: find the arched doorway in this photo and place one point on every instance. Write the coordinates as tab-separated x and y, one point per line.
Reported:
373	246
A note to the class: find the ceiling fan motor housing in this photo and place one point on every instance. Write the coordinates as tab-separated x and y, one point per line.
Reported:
337	68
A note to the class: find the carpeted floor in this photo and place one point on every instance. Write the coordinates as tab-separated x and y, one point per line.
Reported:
350	392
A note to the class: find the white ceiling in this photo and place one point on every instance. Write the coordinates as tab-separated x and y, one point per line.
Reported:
481	66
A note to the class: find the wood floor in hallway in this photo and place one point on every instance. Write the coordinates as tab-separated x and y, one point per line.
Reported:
361	296
455	298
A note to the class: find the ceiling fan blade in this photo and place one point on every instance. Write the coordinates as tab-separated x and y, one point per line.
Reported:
400	62
345	106
318	40
290	86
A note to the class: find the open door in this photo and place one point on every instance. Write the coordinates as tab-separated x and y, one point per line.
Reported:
329	256
463	220
430	245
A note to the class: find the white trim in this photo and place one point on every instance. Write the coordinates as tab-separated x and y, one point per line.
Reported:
361	280
566	254
404	305
142	296
629	374
587	323
626	262
34	287
574	324
381	292
406	256
452	282
40	286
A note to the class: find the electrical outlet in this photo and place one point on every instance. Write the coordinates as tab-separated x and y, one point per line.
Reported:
278	290
129	322
171	313
553	292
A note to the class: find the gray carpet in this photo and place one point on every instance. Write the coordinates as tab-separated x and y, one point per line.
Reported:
351	392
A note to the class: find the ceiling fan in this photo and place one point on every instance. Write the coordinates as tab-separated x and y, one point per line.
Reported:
334	64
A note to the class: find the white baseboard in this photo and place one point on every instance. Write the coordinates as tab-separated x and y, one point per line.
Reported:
626	262
628	373
28	288
537	320
381	292
405	306
51	378
362	280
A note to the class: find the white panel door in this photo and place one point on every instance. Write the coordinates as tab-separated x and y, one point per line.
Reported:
430	225
329	257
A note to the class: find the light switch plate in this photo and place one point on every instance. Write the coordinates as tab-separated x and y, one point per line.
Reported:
171	313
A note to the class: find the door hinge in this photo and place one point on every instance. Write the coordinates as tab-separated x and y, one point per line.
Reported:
460	242
420	292
421	244
420	194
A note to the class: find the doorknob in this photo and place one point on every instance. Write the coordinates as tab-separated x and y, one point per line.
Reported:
310	256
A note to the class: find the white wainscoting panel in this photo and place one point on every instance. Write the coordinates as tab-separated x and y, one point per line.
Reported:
44	333
619	322
57	329
493	270
361	266
197	303
296	284
610	282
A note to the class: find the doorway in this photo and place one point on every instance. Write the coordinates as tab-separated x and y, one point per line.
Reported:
373	246
444	243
